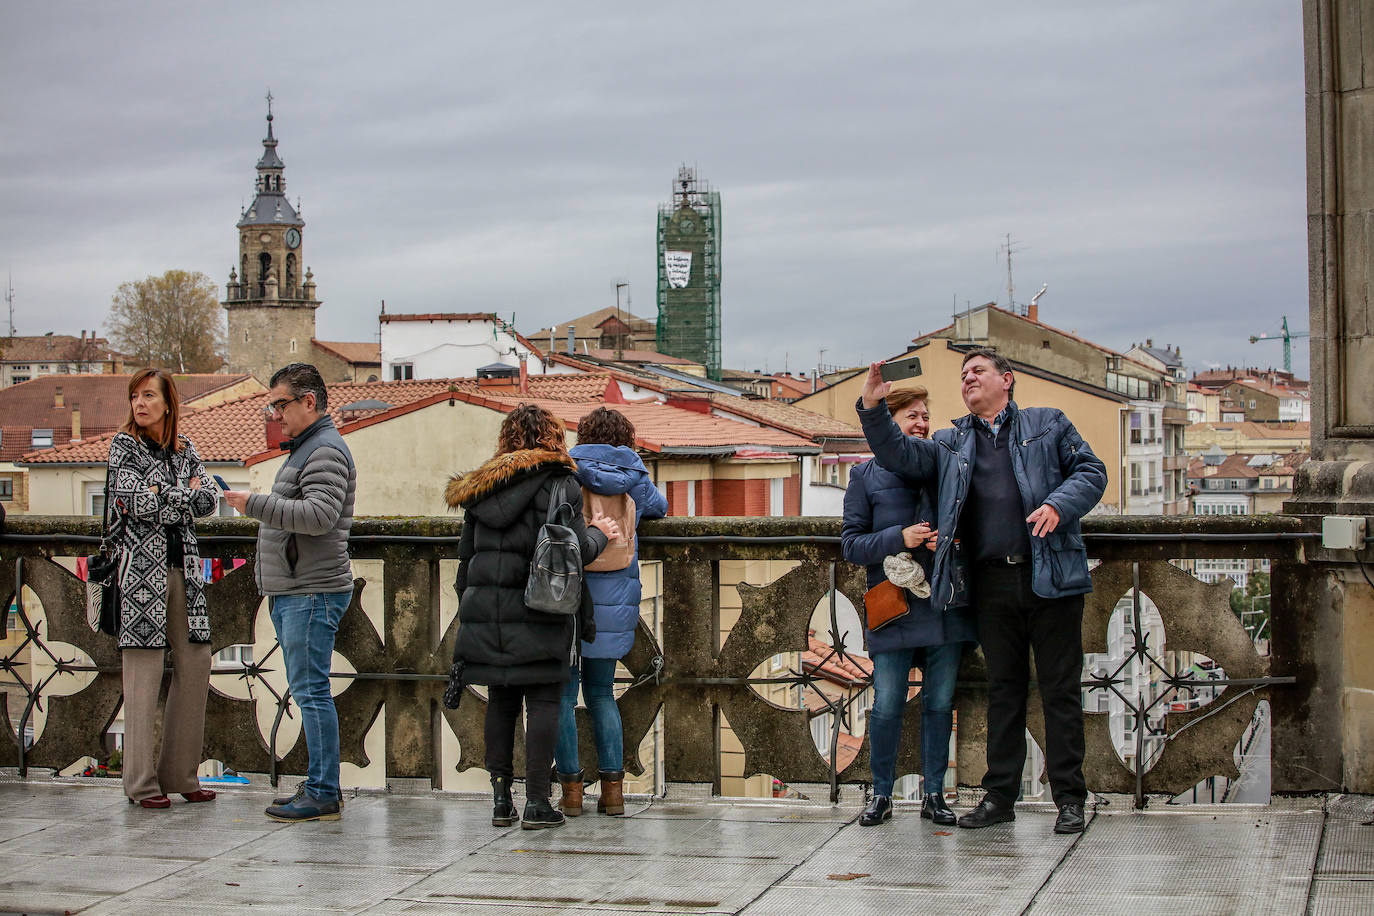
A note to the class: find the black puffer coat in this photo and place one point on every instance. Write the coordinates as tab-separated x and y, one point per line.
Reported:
500	641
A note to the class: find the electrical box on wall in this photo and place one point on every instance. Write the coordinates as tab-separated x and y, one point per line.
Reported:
1343	532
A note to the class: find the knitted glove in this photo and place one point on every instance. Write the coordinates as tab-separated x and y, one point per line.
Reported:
905	572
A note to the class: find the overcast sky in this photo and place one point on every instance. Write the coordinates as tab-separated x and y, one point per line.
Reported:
1147	160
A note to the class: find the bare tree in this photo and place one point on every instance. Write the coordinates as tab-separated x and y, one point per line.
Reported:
172	322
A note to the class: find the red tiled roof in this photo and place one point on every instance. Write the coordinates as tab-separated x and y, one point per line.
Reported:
358	352
785	417
824	661
639	356
235	431
55	348
103	399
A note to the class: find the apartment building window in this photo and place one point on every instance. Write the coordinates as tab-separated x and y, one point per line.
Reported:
402	372
1156	485
1137	431
41	438
1154	428
1137	484
6	488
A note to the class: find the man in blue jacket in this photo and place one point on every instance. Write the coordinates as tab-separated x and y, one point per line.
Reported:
1013	484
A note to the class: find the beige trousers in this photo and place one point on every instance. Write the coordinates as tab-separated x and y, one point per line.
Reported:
183	723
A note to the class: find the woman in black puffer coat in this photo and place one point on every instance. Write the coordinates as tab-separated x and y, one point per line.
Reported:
520	654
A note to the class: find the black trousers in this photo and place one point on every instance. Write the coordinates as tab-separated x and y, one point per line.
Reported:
542	703
1012	622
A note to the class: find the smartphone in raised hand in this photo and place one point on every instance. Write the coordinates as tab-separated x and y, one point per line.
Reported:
900	368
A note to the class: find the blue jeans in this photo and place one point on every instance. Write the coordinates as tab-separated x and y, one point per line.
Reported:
598	685
938	677
305	626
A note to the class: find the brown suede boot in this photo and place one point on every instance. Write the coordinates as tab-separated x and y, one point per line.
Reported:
571	802
612	800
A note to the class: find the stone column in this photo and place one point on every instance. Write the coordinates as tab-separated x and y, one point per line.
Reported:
1324	728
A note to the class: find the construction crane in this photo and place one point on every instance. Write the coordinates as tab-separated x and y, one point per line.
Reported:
1287	337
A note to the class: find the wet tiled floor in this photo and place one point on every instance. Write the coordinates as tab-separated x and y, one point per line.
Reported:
78	847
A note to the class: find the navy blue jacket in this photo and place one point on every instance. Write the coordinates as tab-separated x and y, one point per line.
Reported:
611	470
1052	465
877	506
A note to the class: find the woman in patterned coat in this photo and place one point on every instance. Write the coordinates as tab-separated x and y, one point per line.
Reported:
158	487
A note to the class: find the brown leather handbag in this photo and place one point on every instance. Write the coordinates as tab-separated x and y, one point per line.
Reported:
884	603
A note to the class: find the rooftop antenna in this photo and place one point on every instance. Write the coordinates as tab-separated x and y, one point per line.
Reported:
9	300
1010	248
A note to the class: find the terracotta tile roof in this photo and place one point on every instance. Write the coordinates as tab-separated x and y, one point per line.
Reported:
104	399
235	431
661	428
639	356
1286	430
358	352
589	325
786	417
821	659
53	348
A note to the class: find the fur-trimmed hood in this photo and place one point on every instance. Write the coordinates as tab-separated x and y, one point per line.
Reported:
502	471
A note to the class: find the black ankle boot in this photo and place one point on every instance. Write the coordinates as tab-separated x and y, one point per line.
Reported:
935	808
879	809
540	814
503	806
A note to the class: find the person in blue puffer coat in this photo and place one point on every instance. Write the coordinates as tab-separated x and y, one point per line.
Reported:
886	515
606	464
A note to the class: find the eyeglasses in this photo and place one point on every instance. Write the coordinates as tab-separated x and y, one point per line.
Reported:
277	407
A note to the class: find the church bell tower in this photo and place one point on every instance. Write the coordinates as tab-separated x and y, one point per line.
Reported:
271	304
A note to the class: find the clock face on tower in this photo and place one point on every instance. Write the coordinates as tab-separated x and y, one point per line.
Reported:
293	238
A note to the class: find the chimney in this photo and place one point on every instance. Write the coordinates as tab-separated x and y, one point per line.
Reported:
76	421
553	339
1149	343
1033	311
524	377
273	433
59	400
572	340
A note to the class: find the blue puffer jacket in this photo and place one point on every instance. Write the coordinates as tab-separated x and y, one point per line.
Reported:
610	470
877	506
1052	465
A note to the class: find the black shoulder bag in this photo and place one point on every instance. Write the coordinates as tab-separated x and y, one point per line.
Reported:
102	573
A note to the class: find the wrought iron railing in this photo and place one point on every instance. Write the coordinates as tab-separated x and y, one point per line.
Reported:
697	672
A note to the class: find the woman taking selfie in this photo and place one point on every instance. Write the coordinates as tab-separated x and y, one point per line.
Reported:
883	517
521	654
158	488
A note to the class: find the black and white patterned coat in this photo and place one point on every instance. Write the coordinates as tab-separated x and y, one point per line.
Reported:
147	498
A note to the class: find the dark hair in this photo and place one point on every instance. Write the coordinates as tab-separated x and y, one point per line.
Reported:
604	426
899	398
999	362
169	394
530	426
302	379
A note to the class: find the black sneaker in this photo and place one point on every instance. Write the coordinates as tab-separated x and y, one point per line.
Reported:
300	790
305	808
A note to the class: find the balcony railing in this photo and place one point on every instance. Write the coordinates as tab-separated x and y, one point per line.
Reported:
700	671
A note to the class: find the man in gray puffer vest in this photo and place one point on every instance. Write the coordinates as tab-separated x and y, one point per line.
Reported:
304	570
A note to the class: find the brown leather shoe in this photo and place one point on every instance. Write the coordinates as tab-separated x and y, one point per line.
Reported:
612	800
152	801
199	795
571	802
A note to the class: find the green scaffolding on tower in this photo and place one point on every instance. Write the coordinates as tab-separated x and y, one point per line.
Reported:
689	273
